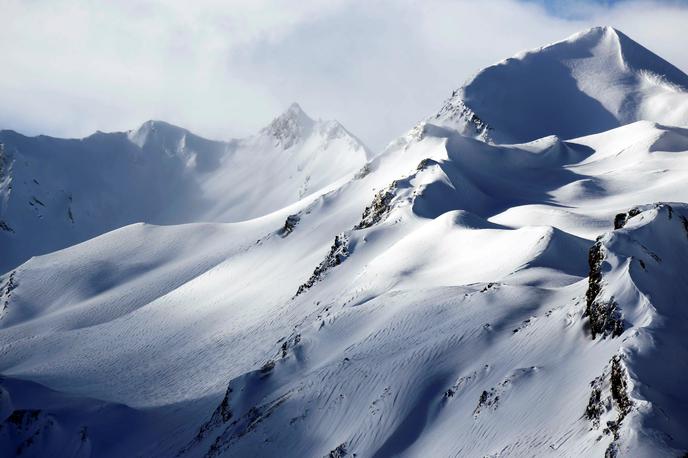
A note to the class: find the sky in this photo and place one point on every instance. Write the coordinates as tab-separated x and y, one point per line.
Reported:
224	69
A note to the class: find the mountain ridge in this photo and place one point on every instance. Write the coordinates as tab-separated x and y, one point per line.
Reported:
158	173
452	296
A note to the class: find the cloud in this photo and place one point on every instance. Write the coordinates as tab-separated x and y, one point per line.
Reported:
224	69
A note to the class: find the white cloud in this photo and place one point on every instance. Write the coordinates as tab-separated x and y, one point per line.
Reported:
224	69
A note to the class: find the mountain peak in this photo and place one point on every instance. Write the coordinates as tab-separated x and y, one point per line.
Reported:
296	110
156	131
592	81
290	127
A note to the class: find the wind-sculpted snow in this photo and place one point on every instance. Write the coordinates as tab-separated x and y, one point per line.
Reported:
642	270
591	82
454	297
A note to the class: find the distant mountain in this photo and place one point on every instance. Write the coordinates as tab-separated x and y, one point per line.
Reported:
455	296
591	82
57	192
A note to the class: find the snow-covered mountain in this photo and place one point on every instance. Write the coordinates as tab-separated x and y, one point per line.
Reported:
453	297
591	82
57	192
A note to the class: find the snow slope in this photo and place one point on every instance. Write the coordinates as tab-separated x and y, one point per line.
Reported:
56	192
591	82
454	297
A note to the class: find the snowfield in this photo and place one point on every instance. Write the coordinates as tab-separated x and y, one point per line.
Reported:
508	278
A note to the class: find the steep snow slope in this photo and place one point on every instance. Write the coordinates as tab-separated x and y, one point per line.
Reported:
591	82
455	297
421	307
55	192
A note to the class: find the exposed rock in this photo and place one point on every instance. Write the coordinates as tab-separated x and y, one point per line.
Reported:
363	171
378	209
267	367
488	399
462	382
6	292
619	389
290	224
221	415
604	315
339	251
455	109
289	344
244	425
5	227
621	219
595	407
609	399
339	452
425	163
488	286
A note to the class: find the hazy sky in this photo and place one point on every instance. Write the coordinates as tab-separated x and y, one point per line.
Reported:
225	68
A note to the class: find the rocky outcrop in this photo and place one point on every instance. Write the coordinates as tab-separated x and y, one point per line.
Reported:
379	208
289	344
339	251
456	111
222	415
621	219
603	314
609	402
384	200
243	425
6	292
338	452
289	225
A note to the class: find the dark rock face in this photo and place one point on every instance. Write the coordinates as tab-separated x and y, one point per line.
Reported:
605	316
339	452
595	408
619	388
289	225
221	415
6	293
378	209
621	219
425	163
339	251
243	425
623	404
609	396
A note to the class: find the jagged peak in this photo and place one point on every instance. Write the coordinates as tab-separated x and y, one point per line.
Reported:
294	126
290	127
296	110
